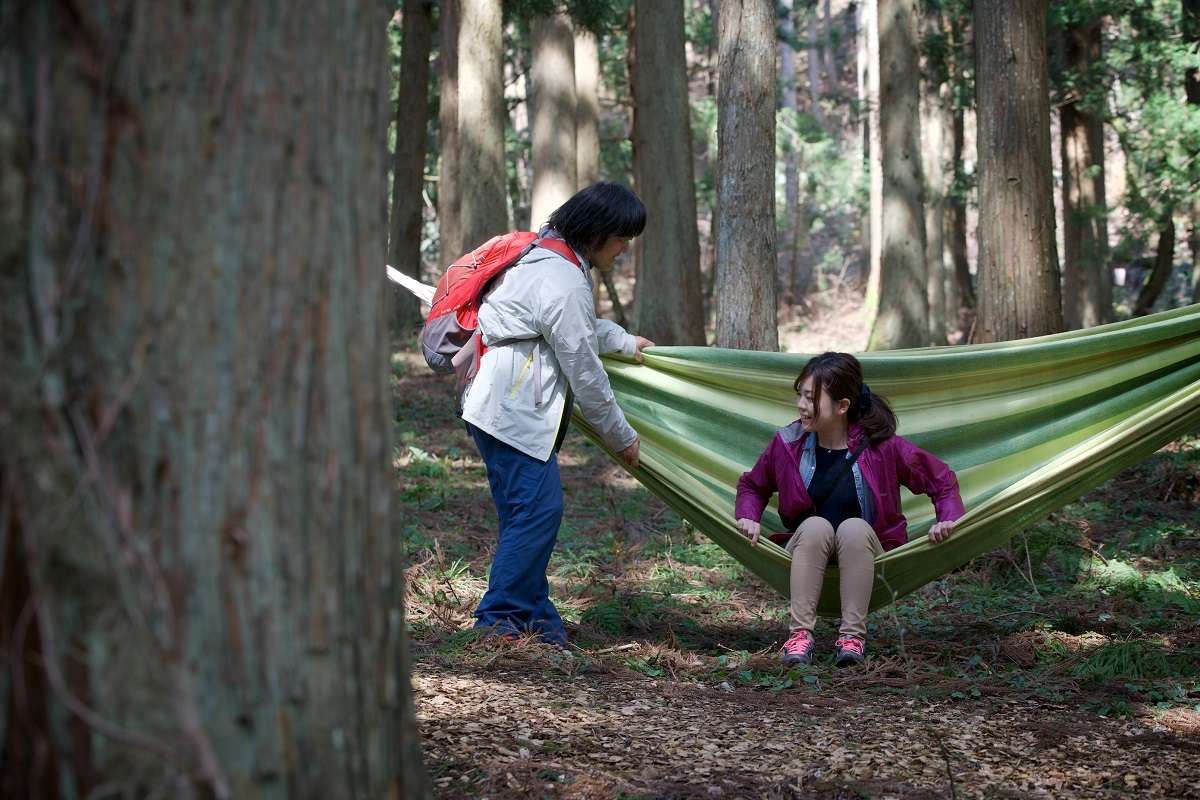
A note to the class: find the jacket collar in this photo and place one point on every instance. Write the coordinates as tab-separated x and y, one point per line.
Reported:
797	438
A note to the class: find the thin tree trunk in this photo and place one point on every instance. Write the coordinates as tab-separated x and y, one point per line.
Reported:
745	290
1191	81
669	305
956	212
412	113
875	166
618	309
518	99
862	59
553	96
1164	260
587	109
791	171
903	316
587	122
194	324
829	52
812	57
933	142
1019	293
1087	287
962	295
484	211
450	242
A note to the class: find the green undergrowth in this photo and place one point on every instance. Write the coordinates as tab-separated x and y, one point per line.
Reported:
1096	607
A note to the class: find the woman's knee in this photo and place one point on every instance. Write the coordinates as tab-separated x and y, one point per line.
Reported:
815	533
856	534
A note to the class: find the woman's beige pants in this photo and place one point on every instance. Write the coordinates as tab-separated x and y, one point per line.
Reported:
855	546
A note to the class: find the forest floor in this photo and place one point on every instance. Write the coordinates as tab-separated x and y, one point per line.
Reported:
1067	665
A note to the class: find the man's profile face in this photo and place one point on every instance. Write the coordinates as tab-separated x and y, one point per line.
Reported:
604	256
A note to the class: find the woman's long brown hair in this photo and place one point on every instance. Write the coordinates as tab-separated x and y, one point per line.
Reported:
840	374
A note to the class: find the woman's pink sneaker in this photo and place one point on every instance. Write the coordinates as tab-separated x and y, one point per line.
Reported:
798	649
850	651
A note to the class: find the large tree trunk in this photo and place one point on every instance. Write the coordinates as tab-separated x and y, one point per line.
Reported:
408	172
1019	293
450	241
587	109
194	328
1087	287
1164	260
745	257
669	306
483	209
903	316
553	103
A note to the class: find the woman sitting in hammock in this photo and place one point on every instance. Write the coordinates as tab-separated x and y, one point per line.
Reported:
838	471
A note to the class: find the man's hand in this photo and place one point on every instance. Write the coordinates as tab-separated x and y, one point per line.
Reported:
750	528
941	531
639	343
630	454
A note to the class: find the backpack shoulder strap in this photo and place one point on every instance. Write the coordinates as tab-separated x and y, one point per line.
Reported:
560	247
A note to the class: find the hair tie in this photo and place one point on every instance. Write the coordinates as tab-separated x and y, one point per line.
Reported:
864	399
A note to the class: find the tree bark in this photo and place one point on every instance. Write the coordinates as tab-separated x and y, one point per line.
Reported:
903	316
1164	260
554	110
1019	293
587	109
483	209
745	253
194	329
669	307
408	172
1087	285
450	242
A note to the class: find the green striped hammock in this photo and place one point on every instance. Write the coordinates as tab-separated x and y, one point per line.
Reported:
1028	426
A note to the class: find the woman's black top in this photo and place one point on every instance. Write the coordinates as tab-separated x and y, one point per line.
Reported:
841	500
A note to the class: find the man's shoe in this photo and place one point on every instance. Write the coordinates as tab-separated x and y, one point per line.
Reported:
798	649
850	651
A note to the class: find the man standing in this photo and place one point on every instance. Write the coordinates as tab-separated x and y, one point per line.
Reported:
544	341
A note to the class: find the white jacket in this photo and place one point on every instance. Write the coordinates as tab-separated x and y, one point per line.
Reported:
540	326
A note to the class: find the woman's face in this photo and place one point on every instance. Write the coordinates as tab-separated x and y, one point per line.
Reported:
825	415
604	256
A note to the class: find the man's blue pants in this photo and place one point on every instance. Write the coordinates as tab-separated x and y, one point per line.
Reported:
529	499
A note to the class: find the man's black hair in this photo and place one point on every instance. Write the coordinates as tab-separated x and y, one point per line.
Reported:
593	214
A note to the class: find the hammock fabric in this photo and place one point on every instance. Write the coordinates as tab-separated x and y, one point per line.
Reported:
1029	426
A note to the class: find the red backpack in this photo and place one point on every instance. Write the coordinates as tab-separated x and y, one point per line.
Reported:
450	339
